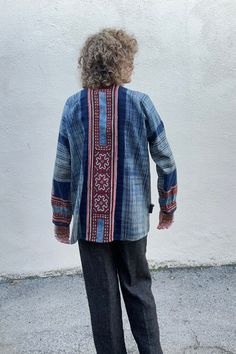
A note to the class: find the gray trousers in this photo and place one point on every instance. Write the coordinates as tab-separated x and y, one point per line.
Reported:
104	265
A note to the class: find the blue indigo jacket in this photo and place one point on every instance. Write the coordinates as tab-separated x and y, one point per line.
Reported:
101	185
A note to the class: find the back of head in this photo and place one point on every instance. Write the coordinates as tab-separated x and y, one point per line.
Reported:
106	58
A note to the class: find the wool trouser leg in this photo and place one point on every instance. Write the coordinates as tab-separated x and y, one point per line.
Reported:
135	281
102	288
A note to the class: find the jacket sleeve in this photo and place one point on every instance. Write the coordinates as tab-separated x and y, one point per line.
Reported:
162	155
61	183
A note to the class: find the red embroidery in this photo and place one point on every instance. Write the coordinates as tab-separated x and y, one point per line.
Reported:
102	164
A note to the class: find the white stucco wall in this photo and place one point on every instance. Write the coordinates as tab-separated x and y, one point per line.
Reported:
186	64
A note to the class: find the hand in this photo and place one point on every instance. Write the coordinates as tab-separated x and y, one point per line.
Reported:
165	220
62	233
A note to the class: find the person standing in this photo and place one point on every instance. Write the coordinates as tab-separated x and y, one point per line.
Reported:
102	187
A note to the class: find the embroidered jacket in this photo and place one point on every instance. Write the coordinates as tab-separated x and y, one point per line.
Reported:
101	178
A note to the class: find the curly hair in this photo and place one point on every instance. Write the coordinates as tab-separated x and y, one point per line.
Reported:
106	58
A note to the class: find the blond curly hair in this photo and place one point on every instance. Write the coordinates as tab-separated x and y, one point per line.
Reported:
106	58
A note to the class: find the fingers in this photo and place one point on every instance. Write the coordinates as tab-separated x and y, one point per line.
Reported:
165	220
165	224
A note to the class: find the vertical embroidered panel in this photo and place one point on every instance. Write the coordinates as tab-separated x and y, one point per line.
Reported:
102	163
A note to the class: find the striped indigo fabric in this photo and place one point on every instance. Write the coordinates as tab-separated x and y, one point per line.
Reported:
101	188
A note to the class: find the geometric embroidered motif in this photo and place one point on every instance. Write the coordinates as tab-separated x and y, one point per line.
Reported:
102	163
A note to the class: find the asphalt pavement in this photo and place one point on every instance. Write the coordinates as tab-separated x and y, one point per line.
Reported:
196	310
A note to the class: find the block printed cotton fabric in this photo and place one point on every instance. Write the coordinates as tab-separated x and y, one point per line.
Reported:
101	185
